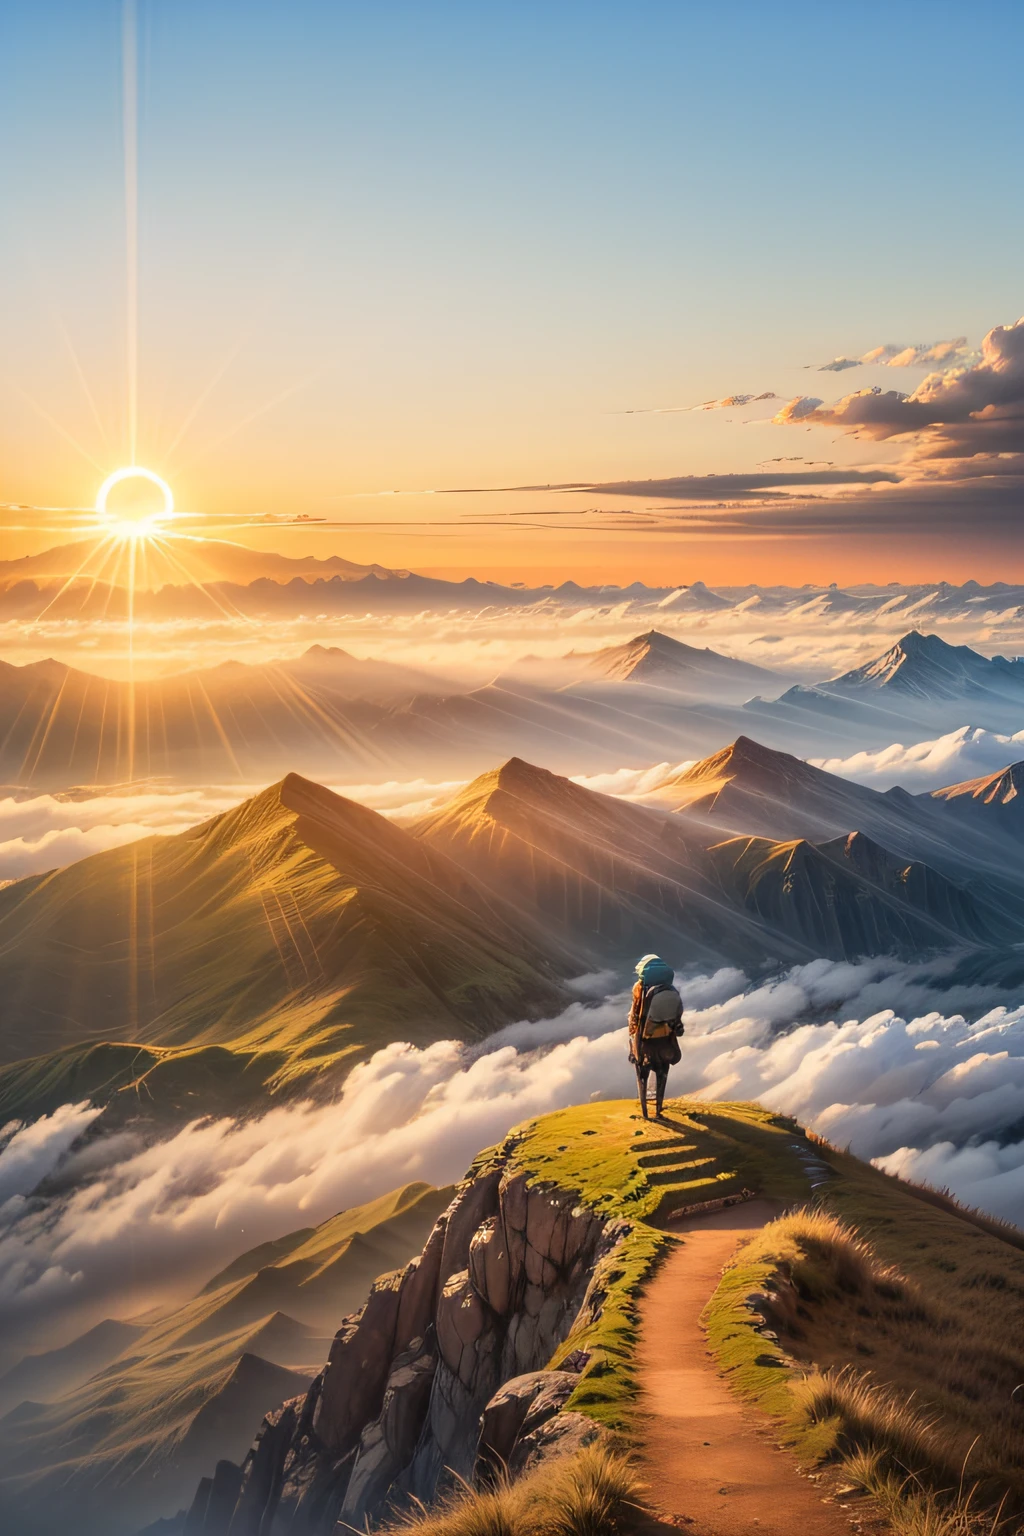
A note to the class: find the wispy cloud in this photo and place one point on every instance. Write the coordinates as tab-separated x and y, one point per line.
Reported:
725	403
896	355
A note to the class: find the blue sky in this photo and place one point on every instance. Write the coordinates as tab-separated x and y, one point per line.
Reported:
467	236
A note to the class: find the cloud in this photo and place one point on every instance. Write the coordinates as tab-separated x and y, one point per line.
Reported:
871	1060
742	487
920	356
895	355
29	1152
956	411
797	409
986	1175
679	410
41	832
967	753
730	400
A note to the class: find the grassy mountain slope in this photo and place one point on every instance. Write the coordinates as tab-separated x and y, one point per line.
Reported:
752	789
849	897
620	877
955	1275
299	928
917	1302
191	1388
46	1375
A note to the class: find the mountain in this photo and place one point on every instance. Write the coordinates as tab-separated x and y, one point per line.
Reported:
335	671
925	667
851	897
51	1372
920	682
994	803
60	727
329	713
189	1389
749	788
696	598
277	942
505	1346
205	559
622	878
662	662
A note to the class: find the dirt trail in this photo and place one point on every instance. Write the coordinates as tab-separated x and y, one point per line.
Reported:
710	1461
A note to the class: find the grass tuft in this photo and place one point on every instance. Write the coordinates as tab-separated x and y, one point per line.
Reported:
873	1419
592	1493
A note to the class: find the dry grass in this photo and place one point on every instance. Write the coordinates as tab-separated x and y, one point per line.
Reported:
873	1420
913	1509
929	1429
592	1493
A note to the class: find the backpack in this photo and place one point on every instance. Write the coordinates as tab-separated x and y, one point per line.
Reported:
661	1013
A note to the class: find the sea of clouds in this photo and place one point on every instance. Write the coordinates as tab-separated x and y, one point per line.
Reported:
966	753
881	1058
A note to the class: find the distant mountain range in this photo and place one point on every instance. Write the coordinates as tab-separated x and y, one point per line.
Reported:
274	946
261	583
752	789
206	559
333	715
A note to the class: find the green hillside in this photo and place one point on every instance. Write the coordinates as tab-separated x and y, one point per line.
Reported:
190	1389
287	936
881	1324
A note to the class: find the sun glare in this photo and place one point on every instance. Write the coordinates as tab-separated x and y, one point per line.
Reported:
136	517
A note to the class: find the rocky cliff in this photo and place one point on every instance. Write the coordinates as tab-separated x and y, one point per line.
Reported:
458	1364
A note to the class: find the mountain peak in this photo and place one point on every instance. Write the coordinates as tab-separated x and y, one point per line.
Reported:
928	668
517	773
742	757
662	661
1002	788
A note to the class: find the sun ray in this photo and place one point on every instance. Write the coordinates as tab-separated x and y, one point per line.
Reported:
255	415
109	543
202	399
83	381
61	431
130	106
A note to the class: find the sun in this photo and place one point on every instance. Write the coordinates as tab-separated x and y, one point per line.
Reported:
137	518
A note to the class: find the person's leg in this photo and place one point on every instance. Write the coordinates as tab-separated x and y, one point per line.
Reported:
643	1073
660	1081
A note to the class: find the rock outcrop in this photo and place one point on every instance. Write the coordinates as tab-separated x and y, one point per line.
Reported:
446	1372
